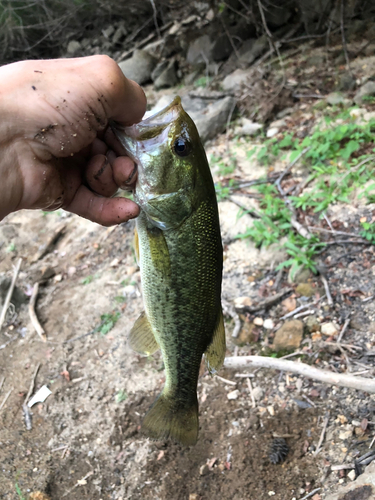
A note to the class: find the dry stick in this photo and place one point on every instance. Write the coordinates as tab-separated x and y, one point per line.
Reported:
249	211
5	399
343	330
34	320
2	383
10	292
301	308
229	310
310	494
344	46
326	376
251	391
265	304
25	408
155	18
326	288
229	382
326	419
367	299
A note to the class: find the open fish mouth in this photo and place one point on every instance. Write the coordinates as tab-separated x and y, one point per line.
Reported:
149	134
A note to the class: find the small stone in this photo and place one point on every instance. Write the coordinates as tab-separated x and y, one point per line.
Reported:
312	324
305	289
204	470
289	336
58	278
246	334
352	475
73	47
233	395
342	419
367	90
258	321
248	127
330	329
241	302
108	31
271	132
271	410
257	393
346	433
335	98
268	324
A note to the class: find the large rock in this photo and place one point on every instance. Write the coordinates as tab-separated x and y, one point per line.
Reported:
367	90
199	50
167	78
139	67
252	49
221	48
213	120
278	15
234	81
289	336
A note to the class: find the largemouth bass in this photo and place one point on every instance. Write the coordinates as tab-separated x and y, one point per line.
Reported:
179	251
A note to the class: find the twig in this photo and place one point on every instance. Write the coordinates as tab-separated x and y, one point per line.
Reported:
229	382
367	299
344	46
251	391
325	423
5	399
326	288
229	38
244	375
253	213
34	319
229	310
10	292
301	308
48	246
304	313
310	494
155	18
2	383
265	304
372	442
288	169
308	96
25	408
343	330
326	376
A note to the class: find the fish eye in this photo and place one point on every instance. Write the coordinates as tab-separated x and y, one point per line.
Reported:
182	147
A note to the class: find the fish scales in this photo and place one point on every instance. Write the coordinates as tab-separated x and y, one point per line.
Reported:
180	257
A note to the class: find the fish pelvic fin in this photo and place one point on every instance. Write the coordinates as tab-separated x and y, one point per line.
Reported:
141	337
215	352
169	418
136	245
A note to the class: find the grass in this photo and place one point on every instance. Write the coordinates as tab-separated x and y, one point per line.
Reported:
108	321
19	492
339	162
121	396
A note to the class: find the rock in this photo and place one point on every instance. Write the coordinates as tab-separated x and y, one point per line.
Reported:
108	32
312	324
204	470
234	81
73	47
246	335
300	276
191	77
363	488
370	50
241	302
213	120
167	78
352	475
233	394
197	47
119	35
277	15
346	433
305	289
289	336
258	393
258	321
18	297
268	324
271	132
248	127
335	98
367	90
330	329
158	70
346	82
252	49
139	67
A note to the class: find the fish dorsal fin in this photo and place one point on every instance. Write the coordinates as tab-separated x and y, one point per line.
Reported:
215	352
136	245
141	337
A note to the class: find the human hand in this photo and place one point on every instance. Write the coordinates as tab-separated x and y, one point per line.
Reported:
56	150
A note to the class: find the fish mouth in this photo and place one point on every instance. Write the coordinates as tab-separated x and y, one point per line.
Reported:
149	134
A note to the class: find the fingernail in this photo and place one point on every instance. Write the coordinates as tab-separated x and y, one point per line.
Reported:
131	176
101	169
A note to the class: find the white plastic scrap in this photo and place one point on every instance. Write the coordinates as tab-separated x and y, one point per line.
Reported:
40	396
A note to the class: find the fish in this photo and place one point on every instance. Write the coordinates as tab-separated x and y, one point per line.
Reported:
179	251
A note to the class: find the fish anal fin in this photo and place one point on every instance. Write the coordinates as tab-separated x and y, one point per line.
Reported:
168	419
215	352
141	337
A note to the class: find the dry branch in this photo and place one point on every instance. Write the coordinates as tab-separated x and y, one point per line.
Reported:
330	378
10	292
34	320
265	304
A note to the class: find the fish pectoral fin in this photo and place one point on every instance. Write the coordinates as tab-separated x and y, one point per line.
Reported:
215	352
141	337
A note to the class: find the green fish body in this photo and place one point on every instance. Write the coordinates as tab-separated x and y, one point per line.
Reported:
180	255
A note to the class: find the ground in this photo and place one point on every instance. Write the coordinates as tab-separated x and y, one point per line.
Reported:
85	441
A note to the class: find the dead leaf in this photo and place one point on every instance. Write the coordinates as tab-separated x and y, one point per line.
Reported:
364	424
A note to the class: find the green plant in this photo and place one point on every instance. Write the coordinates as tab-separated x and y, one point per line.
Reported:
108	321
11	247
87	280
202	81
368	231
121	396
19	492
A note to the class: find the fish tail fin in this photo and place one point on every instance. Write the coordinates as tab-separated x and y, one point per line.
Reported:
170	418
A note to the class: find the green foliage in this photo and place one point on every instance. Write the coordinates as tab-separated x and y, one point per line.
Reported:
19	492
121	396
87	280
11	248
368	231
108	321
338	162
202	81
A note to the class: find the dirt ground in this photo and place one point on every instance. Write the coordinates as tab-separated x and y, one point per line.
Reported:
85	441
